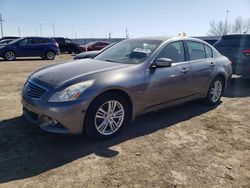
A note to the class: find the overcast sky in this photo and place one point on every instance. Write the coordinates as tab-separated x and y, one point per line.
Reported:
96	18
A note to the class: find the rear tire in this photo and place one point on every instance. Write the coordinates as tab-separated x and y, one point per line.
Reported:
50	55
106	116
215	91
9	56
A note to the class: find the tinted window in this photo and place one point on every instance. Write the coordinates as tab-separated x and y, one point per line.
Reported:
196	50
25	41
47	40
37	41
209	51
174	51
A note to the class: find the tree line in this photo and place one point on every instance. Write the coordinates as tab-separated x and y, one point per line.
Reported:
238	26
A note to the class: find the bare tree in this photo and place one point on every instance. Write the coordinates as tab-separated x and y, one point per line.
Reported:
219	29
239	26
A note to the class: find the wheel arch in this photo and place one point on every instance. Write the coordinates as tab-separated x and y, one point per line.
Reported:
223	77
116	91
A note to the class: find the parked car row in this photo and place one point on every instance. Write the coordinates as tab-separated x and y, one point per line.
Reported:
235	47
44	47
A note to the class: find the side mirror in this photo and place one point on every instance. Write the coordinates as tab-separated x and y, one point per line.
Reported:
163	62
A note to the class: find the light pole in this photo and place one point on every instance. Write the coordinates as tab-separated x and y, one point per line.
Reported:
226	29
19	32
1	24
54	32
41	31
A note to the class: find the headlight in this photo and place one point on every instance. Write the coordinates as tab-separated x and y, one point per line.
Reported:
71	93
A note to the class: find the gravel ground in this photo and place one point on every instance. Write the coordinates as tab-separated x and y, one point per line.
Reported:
191	145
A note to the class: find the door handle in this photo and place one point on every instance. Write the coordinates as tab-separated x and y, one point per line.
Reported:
184	70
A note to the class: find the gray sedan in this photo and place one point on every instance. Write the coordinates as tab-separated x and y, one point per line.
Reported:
100	96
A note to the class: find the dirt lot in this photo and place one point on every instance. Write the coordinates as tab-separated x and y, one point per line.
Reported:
189	146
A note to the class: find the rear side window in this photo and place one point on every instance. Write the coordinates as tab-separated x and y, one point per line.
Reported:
196	50
209	51
37	41
47	40
174	51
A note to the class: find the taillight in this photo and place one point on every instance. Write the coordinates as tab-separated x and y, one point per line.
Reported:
246	52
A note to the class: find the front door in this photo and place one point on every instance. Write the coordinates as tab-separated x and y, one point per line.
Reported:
167	84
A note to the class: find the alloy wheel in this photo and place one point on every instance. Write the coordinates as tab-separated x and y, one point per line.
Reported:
50	55
109	117
216	91
10	55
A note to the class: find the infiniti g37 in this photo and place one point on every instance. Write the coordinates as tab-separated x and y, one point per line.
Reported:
100	96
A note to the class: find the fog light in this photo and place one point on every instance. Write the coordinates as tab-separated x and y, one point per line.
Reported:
52	121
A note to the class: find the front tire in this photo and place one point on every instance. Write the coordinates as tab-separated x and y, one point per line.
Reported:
106	117
9	56
50	55
215	91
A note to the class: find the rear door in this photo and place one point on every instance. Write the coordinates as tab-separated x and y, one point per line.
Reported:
38	46
168	84
202	64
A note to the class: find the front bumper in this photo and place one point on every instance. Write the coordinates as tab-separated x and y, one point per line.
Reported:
69	118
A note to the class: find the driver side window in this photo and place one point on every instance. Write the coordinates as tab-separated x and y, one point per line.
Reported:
174	51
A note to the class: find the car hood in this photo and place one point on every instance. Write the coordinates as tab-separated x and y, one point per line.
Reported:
57	75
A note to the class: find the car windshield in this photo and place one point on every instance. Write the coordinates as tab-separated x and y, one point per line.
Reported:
132	51
15	41
90	44
5	41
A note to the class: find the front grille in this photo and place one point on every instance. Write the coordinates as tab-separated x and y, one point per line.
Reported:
33	90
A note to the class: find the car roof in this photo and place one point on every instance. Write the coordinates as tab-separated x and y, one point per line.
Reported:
235	36
160	38
37	37
166	38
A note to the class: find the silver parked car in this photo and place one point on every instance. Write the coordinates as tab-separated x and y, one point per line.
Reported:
135	76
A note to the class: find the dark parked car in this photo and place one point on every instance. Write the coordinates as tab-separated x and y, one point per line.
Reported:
46	48
95	46
91	54
66	45
135	76
209	39
237	49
